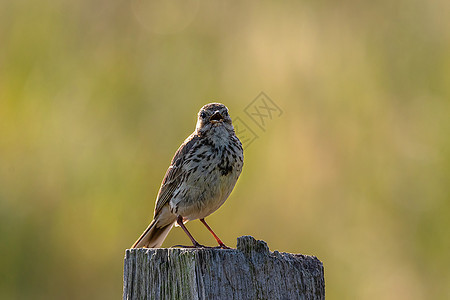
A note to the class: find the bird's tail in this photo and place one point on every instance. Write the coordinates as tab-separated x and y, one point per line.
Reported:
153	236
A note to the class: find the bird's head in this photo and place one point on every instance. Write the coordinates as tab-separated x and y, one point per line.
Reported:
212	116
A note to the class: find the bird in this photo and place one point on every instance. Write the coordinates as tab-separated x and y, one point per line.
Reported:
201	176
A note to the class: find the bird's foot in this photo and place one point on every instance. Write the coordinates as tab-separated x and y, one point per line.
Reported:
202	247
197	246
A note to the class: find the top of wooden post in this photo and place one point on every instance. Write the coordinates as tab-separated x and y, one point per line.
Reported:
251	271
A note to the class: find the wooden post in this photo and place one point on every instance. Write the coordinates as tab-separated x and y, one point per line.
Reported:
249	272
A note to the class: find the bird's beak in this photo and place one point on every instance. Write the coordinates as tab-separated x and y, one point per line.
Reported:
216	117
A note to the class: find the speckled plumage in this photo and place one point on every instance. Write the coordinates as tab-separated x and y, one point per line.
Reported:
200	178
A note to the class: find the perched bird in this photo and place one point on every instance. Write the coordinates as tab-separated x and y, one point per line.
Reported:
200	178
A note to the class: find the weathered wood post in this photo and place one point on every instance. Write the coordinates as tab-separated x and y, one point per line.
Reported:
249	272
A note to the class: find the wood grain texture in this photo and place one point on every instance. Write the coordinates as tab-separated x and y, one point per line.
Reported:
249	272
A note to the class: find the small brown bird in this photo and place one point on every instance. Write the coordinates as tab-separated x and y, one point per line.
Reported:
200	178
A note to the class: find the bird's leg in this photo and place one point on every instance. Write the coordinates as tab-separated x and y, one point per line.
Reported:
194	242
221	244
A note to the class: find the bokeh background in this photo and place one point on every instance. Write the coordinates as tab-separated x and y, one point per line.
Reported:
96	96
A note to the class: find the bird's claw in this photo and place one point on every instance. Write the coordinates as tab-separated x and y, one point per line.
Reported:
198	246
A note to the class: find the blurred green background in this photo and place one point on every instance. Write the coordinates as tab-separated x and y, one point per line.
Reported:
96	96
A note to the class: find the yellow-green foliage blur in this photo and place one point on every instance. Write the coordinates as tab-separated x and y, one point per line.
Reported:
96	96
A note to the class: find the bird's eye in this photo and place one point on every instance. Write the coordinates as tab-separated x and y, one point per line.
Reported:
225	113
203	115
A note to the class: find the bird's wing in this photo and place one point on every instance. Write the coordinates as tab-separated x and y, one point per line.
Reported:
172	179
